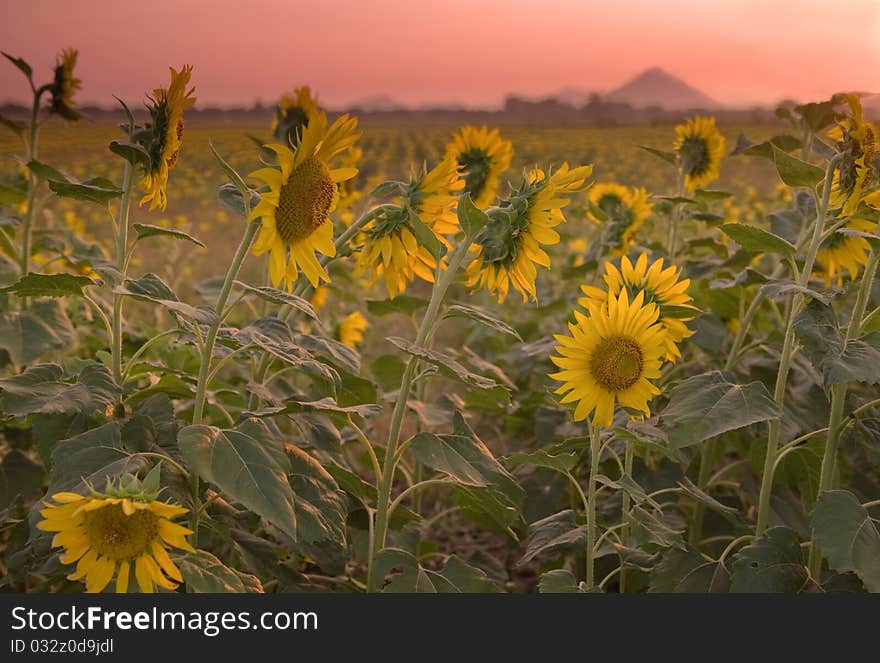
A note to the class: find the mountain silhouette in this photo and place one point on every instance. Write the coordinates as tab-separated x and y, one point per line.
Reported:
655	87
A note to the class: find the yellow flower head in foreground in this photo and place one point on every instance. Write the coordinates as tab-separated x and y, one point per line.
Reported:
626	210
509	247
845	252
64	85
659	286
482	157
302	192
351	329
700	148
106	535
292	115
164	135
610	357
391	251
434	197
858	170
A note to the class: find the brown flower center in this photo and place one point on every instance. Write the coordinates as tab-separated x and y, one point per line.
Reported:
117	536
617	363
305	200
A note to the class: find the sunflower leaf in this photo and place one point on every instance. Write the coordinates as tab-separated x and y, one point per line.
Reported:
131	152
44	171
795	172
150	288
49	285
847	536
758	240
85	191
772	563
445	363
426	236
145	230
483	317
205	574
668	157
470	217
280	297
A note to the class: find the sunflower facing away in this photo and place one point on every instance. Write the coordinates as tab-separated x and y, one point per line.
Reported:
164	134
482	157
859	145
509	248
107	535
292	115
700	148
844	251
351	329
303	190
64	85
626	210
659	286
610	357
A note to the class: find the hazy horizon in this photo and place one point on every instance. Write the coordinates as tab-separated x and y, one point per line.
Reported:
739	52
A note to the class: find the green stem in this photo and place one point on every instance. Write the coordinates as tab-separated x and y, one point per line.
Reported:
121	256
25	255
414	488
675	217
150	342
707	456
595	446
624	531
382	507
788	351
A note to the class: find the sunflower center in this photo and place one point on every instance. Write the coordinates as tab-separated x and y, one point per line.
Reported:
304	201
117	536
474	168
617	363
694	153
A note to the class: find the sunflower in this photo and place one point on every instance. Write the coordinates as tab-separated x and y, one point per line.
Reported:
292	114
482	156
434	197
351	329
509	247
163	135
700	148
626	210
348	191
303	190
391	251
844	251
859	145
106	535
610	357
659	286
64	85
319	297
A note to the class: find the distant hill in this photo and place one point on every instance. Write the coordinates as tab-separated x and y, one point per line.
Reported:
377	103
655	87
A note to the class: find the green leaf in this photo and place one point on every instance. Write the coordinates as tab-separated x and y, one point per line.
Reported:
690	488
231	198
784	142
746	277
470	217
44	171
39	390
19	477
145	230
755	239
280	297
411	577
11	195
779	288
562	462
649	528
558	581
298	405
795	172
150	288
49	285
13	125
90	459
445	363
772	563
404	304
448	454
28	335
688	572
668	157
710	196
92	193
231	173
483	317
426	236
135	154
320	505
706	405
205	574
554	534
247	465
817	115
847	536
21	64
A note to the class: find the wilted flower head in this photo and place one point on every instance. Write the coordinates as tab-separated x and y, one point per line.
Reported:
292	115
64	85
859	168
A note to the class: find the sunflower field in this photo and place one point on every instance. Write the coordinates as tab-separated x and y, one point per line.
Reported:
331	356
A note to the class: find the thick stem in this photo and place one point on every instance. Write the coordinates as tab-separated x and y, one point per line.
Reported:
628	455
707	456
595	448
27	227
675	217
390	462
121	257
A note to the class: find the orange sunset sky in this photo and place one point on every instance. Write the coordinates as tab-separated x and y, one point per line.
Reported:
471	52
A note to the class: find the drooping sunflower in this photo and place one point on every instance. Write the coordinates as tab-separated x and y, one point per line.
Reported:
163	135
509	247
434	197
842	252
293	112
610	357
482	157
626	209
351	329
303	190
64	85
700	148
859	169
107	535
659	286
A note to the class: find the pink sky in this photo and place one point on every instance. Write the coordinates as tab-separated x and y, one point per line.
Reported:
467	51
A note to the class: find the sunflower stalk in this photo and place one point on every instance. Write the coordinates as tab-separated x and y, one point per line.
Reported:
391	457
628	456
795	303
30	202
595	451
675	216
121	259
